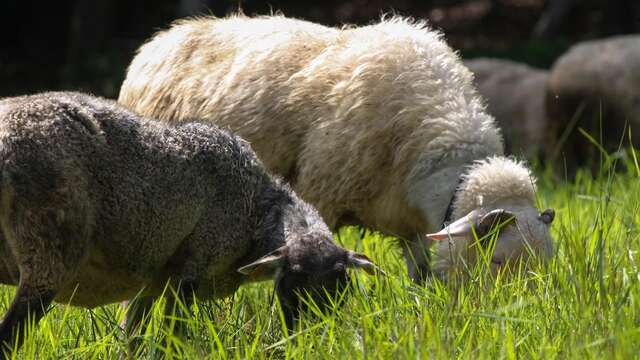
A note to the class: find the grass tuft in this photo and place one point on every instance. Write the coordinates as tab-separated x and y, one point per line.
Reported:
585	303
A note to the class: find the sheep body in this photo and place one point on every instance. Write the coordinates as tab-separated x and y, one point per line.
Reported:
343	93
141	192
515	95
373	125
599	96
98	205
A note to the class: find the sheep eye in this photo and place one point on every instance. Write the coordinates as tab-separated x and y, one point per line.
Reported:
485	235
493	219
547	216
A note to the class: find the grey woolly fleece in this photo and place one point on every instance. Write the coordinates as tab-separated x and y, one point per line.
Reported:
97	204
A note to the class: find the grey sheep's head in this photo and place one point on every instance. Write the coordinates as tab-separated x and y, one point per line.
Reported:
299	270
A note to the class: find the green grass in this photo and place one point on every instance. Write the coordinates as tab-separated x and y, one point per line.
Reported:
583	304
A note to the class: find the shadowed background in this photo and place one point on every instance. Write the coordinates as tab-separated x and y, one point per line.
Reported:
87	45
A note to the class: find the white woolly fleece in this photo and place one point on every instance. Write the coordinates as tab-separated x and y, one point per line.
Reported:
371	124
352	117
493	180
489	184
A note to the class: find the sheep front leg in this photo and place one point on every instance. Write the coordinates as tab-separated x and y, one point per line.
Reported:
417	256
178	303
138	310
29	305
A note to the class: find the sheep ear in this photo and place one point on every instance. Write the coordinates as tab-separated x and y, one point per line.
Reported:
266	266
493	218
463	226
361	261
547	216
457	229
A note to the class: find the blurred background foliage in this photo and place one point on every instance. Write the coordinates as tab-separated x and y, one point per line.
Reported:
87	45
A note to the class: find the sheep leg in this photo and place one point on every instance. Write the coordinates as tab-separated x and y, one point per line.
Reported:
137	310
178	303
417	256
41	246
29	305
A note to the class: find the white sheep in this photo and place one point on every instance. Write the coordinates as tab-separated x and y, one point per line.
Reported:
374	125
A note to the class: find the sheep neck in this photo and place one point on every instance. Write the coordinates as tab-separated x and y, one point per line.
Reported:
449	212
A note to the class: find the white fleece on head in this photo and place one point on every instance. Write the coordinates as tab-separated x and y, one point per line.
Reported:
497	183
491	180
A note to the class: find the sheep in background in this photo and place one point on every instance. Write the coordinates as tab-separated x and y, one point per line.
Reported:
99	205
594	86
374	125
515	94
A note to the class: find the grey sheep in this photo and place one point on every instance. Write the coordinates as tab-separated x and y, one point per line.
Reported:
515	95
594	87
98	205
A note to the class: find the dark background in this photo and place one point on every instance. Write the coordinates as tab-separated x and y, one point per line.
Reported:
87	44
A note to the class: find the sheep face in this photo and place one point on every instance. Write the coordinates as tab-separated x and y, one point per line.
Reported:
322	283
505	235
299	270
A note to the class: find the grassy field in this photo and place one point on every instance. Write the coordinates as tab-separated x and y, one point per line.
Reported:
583	304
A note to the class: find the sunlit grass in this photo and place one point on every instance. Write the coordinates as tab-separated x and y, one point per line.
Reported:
583	304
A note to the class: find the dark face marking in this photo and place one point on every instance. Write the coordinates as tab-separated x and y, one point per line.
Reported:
322	284
493	220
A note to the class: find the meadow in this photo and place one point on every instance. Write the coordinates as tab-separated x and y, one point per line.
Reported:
584	303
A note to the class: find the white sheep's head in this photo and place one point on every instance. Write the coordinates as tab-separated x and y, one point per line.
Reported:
501	235
496	194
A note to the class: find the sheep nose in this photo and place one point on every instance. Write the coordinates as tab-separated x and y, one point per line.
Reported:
547	216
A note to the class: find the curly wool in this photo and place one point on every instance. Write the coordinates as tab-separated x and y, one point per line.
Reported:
496	183
492	180
352	117
141	198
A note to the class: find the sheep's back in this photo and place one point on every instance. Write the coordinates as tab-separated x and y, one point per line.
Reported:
327	109
145	194
233	72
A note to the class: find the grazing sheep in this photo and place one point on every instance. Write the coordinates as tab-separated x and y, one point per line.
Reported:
515	95
483	199
594	86
373	125
98	205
